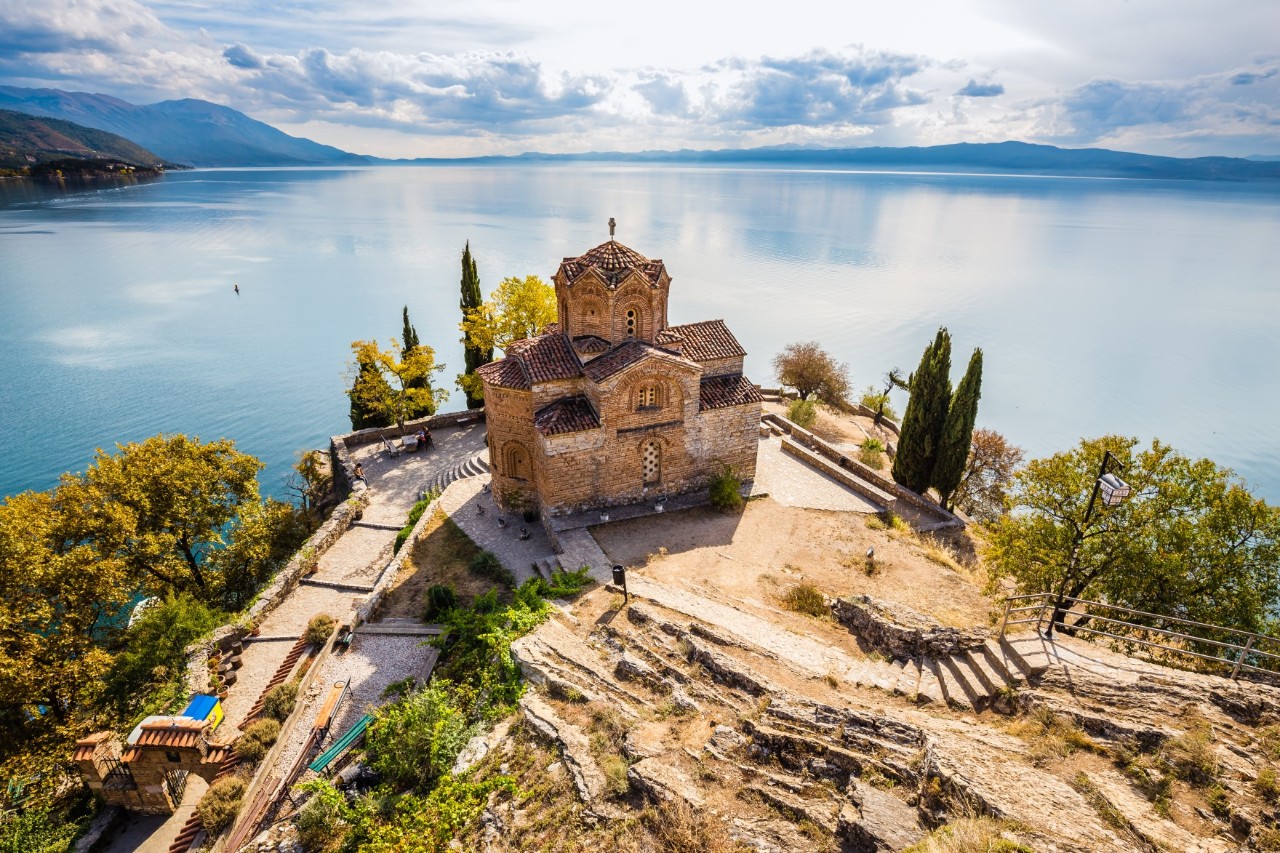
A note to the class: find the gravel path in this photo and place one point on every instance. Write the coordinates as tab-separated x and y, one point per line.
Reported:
373	662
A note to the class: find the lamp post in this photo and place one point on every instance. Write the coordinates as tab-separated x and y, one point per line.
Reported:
1113	491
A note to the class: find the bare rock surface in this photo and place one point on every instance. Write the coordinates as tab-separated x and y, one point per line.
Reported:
898	631
587	777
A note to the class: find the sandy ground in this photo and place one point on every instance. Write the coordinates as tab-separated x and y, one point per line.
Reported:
758	554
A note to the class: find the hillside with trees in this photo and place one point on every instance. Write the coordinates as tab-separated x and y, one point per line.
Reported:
28	141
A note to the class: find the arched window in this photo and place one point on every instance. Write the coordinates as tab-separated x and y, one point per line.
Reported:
651	463
631	323
517	467
649	397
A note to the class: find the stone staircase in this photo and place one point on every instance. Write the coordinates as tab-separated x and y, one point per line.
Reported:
971	680
546	566
471	467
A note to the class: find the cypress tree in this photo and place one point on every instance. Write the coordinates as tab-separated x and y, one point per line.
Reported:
471	300
411	343
957	434
926	415
363	416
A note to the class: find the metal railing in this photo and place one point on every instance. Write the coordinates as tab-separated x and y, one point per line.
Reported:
1239	650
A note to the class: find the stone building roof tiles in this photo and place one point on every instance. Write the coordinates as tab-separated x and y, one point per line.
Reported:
719	392
590	344
568	414
175	734
504	373
623	356
705	341
614	262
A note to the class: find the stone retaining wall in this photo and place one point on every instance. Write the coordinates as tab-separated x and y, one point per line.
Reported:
879	497
897	631
808	439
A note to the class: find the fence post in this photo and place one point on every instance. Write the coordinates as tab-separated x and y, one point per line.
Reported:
1008	602
1236	670
1040	612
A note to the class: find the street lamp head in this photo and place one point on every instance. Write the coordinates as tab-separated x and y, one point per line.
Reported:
1114	490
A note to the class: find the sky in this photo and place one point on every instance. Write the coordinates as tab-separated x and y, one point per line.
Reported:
412	78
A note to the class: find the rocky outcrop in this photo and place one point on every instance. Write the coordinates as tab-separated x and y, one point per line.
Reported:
897	631
875	821
572	743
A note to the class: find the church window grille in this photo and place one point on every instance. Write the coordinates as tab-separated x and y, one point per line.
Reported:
631	323
649	397
651	463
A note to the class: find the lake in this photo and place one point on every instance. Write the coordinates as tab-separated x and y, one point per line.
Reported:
1146	308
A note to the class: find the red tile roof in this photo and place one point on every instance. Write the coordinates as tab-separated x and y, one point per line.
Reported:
569	414
590	344
614	262
175	734
546	357
624	355
504	373
719	392
705	341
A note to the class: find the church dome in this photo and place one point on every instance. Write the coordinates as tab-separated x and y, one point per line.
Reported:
614	262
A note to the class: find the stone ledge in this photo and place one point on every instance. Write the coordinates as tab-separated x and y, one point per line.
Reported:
900	632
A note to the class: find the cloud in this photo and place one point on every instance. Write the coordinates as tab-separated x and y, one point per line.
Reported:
664	93
241	56
1248	78
436	93
819	88
57	26
974	89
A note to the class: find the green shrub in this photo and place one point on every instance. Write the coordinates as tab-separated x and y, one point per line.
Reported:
1267	786
872	397
871	452
441	598
279	701
401	538
487	565
807	599
1219	802
563	584
415	741
152	658
319	628
726	489
418	509
802	413
321	819
221	803
253	745
37	831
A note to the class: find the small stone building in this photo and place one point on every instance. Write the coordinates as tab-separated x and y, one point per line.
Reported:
612	405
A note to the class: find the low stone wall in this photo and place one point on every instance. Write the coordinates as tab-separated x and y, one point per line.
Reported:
947	521
879	497
340	446
897	631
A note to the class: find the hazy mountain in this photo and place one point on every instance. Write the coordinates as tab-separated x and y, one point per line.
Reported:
992	157
26	140
189	131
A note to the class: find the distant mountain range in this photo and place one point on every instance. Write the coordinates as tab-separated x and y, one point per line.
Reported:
199	133
27	140
190	132
986	158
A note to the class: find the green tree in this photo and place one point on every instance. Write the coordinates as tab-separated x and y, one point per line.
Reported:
405	389
520	308
410	335
474	356
407	349
264	538
151	662
926	415
163	507
988	475
957	432
368	384
415	741
1191	541
813	372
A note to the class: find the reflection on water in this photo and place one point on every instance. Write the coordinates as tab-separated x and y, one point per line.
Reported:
1140	307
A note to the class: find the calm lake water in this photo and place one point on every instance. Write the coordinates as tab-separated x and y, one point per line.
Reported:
1140	307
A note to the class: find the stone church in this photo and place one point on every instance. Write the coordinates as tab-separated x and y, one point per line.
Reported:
612	405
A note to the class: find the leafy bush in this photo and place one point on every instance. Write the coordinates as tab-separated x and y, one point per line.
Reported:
427	824
807	599
871	452
1266	784
221	803
37	831
487	565
279	701
564	584
401	538
441	598
321	819
319	628
152	658
873	397
415	741
414	514
253	745
802	412
726	489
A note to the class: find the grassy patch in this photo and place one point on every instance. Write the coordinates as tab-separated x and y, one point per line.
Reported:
440	555
1051	737
807	599
968	835
1267	786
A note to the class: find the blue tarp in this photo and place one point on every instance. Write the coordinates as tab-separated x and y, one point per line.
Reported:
200	707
